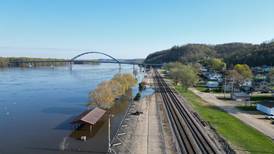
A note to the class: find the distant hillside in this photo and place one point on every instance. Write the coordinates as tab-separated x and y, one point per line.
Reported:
232	53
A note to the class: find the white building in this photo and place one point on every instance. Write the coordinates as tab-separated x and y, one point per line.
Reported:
212	84
266	107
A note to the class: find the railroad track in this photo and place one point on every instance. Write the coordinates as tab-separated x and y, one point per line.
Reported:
189	134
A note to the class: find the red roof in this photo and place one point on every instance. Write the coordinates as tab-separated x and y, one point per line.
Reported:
91	116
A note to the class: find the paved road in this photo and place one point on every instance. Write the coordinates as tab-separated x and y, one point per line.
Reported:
254	120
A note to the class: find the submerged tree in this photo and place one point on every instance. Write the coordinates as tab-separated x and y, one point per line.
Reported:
103	96
106	92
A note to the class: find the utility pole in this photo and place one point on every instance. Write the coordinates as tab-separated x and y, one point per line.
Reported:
224	86
109	127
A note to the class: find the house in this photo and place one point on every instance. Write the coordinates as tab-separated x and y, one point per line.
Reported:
240	96
266	107
227	87
247	83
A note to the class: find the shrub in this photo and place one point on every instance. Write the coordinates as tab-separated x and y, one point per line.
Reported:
137	97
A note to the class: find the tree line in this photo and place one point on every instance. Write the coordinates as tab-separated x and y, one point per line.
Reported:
16	62
230	53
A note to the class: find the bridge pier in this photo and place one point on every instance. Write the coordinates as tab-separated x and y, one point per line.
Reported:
70	66
30	65
120	68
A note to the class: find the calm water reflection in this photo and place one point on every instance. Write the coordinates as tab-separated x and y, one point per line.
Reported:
37	105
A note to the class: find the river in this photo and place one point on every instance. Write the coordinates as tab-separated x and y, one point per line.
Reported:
38	104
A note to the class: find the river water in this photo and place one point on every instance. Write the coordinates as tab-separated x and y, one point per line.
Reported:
38	104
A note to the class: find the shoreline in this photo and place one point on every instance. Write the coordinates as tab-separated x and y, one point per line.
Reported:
145	132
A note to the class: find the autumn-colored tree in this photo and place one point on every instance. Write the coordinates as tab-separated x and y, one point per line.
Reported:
130	80
126	80
103	96
105	93
116	87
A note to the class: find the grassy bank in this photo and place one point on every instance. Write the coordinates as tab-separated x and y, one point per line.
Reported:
260	98
231	128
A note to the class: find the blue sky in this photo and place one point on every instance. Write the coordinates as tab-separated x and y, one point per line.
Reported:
128	28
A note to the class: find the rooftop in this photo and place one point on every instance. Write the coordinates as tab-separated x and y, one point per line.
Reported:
91	116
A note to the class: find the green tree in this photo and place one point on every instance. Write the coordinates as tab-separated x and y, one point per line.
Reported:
174	71
188	76
271	76
244	70
185	74
216	64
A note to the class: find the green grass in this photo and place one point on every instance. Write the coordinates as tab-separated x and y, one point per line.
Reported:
247	108
201	88
205	89
231	128
261	98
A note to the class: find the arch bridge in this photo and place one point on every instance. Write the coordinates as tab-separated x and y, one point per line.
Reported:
72	60
94	52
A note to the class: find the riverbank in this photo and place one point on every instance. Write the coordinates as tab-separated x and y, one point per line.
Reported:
144	132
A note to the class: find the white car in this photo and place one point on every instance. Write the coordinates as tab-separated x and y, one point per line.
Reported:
269	116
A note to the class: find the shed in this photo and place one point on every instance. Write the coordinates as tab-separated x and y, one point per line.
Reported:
266	107
89	117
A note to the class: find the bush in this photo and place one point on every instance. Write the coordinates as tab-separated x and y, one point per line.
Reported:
137	97
142	86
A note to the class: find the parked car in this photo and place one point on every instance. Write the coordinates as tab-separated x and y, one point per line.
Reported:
269	117
265	90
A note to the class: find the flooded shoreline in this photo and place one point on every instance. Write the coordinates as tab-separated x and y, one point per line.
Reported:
37	106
